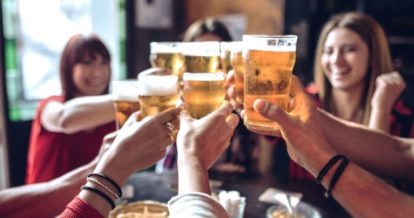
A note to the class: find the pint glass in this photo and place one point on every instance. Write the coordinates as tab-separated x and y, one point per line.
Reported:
167	55
225	52
201	56
268	62
125	100
238	68
157	93
203	93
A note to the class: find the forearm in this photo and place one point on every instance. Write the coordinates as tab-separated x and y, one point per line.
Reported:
364	195
44	199
373	150
192	176
380	119
86	112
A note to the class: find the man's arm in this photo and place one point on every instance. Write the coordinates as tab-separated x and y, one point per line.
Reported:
365	195
46	199
375	151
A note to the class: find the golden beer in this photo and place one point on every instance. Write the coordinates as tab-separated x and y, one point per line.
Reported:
125	100
225	62
203	93
209	64
124	109
157	93
268	63
238	68
225	53
201	56
167	55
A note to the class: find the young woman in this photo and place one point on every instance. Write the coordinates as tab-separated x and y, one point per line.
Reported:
68	129
354	77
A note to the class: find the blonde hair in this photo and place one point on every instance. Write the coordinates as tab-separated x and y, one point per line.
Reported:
379	60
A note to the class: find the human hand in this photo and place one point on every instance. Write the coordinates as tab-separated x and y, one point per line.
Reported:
204	140
138	145
299	127
231	91
388	88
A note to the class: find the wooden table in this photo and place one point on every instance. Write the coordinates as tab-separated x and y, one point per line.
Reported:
161	187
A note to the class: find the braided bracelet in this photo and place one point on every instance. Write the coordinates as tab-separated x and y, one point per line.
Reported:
93	180
111	181
100	193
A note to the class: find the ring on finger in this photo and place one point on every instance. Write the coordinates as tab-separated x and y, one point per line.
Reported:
169	126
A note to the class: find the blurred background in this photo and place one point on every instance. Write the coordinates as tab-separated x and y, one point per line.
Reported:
33	33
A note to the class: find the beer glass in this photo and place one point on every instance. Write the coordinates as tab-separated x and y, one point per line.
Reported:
201	56
238	68
157	93
203	93
225	51
125	100
167	55
268	62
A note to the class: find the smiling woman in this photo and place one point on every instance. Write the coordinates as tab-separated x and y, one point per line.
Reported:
67	130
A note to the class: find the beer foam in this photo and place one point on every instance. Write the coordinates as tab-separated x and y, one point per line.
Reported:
124	90
270	42
165	47
203	76
133	97
155	85
201	48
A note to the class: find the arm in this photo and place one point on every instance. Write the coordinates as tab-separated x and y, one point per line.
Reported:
361	193
388	88
199	144
137	146
388	156
69	117
43	199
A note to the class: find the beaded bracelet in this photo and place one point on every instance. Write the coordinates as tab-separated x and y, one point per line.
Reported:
100	193
112	182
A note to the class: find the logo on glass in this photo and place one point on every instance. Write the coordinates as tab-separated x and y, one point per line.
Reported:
271	42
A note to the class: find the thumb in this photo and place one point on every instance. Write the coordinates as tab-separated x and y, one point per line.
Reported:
272	112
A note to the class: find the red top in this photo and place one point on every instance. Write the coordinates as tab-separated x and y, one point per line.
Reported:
78	208
53	154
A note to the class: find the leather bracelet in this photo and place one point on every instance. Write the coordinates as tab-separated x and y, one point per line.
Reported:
111	181
327	167
336	176
100	193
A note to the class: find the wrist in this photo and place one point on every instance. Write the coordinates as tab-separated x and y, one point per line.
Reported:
314	162
111	169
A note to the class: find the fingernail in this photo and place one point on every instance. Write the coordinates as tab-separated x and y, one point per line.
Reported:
232	120
261	105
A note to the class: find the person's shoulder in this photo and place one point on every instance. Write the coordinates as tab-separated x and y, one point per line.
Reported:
42	103
53	98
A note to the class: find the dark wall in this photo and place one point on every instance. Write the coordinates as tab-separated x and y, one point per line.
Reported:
138	39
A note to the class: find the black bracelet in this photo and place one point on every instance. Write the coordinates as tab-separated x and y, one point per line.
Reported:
113	183
336	176
327	167
100	193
